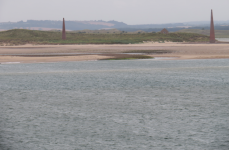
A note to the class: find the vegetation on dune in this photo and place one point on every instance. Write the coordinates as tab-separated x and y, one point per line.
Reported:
218	33
22	36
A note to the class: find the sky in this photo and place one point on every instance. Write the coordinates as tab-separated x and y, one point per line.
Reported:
127	11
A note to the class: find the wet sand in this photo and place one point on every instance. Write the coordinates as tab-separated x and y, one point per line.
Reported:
56	53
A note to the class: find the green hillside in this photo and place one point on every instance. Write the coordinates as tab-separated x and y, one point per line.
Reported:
218	33
21	36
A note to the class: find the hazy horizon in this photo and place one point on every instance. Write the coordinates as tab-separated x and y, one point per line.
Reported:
120	21
127	11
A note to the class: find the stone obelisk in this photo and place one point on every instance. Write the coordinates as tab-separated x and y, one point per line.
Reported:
63	31
212	30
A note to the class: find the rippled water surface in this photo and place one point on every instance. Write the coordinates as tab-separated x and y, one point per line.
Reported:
124	105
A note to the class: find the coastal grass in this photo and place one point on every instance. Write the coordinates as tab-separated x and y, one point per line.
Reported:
218	33
23	36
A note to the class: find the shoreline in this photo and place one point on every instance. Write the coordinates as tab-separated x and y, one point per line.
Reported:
60	53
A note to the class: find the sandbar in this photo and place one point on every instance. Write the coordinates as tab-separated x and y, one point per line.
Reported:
57	53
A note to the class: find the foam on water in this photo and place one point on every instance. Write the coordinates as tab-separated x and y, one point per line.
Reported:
10	62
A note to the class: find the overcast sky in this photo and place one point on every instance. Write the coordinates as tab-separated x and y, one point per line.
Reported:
128	11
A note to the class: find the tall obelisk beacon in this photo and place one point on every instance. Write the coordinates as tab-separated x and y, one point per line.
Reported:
63	31
212	30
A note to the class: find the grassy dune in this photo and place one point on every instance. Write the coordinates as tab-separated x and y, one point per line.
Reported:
22	36
218	33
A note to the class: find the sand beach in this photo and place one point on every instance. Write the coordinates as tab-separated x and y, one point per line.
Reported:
57	53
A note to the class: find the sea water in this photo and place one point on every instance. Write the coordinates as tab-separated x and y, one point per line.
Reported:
124	105
223	39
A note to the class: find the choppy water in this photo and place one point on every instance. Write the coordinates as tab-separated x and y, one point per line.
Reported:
124	105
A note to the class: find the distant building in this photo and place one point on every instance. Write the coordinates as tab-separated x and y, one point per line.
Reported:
164	31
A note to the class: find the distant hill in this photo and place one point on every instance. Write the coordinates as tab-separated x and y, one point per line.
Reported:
218	33
206	23
70	25
80	25
127	29
47	25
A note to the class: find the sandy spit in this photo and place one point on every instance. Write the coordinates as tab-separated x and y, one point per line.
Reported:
56	53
